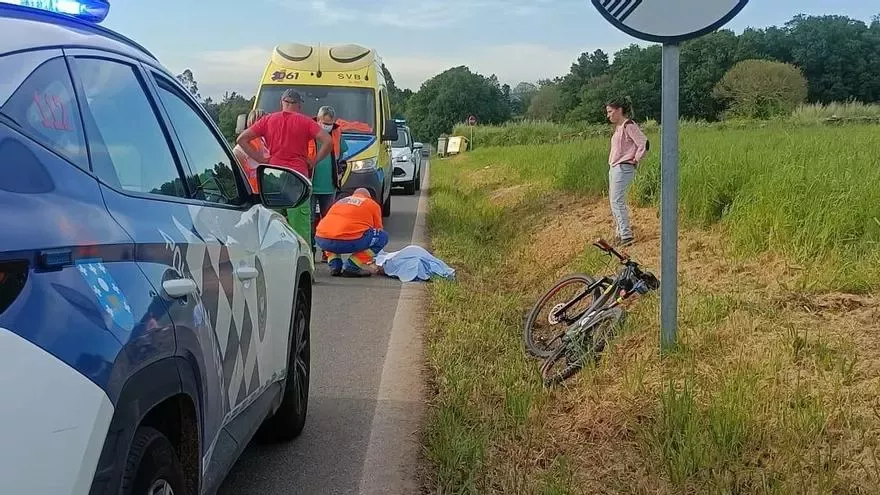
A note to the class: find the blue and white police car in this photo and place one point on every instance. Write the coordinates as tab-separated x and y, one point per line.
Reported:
154	312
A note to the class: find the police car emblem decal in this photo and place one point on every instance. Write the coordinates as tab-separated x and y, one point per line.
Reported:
108	294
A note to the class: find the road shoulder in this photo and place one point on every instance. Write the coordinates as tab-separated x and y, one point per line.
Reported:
393	456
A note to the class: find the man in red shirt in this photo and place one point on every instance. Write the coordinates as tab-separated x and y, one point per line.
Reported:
287	135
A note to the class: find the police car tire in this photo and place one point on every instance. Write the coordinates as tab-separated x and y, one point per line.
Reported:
151	459
289	420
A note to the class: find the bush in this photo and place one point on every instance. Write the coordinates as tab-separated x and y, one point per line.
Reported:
760	89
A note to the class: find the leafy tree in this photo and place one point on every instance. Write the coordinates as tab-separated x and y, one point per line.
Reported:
189	82
521	97
635	73
762	89
704	61
587	67
508	97
212	108
452	95
230	107
594	96
839	56
544	103
397	97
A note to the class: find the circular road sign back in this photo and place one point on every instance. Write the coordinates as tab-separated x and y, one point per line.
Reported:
668	21
472	120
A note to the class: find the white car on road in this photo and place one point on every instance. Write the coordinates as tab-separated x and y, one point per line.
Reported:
407	157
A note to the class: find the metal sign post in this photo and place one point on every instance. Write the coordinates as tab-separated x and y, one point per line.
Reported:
472	121
669	22
669	195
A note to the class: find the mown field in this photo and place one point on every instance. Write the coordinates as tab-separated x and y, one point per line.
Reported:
774	385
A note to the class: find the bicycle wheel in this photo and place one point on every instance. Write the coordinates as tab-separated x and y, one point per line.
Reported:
575	354
559	366
542	330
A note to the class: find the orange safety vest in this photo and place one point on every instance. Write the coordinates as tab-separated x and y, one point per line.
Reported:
244	161
335	135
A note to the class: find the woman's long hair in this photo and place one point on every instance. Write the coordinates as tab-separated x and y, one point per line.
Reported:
624	103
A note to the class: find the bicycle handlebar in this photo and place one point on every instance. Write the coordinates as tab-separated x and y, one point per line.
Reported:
608	248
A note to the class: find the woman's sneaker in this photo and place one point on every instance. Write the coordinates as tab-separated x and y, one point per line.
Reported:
628	241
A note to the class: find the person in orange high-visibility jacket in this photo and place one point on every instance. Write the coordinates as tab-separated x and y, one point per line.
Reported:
352	226
247	164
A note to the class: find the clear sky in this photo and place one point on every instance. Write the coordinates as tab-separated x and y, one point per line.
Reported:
226	43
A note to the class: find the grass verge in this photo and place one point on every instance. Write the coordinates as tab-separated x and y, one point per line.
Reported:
772	389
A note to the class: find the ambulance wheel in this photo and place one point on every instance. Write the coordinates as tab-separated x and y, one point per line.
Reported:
386	207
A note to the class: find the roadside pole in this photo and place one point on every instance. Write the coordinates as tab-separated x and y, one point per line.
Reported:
669	196
472	122
669	22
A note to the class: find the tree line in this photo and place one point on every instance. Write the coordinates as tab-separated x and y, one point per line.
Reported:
756	74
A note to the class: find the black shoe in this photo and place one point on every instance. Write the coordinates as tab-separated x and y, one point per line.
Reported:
355	274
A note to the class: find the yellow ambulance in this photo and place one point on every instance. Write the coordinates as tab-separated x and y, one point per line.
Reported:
349	78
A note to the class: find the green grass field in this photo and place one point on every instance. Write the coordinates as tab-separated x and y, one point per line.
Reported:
773	387
531	132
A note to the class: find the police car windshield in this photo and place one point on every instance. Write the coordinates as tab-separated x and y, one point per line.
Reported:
353	105
402	139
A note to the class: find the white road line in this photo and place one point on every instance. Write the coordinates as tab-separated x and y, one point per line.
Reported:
393	453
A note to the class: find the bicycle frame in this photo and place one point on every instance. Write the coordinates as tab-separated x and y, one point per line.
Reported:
585	319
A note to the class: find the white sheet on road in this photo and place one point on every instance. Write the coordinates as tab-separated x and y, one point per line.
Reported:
413	263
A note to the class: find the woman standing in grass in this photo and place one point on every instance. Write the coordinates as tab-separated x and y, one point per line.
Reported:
628	146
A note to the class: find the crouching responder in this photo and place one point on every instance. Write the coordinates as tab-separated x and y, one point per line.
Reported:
353	225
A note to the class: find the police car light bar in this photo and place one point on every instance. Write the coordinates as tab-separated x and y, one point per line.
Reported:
93	11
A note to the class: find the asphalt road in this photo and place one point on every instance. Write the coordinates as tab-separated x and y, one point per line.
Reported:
352	322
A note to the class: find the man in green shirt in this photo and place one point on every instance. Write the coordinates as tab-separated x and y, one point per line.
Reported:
325	177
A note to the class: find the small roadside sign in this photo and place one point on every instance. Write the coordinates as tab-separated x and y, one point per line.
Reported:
669	22
472	120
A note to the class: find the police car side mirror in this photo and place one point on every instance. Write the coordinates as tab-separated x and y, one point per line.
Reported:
282	188
240	123
390	132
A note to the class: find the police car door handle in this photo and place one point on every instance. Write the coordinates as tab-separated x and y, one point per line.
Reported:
179	287
246	273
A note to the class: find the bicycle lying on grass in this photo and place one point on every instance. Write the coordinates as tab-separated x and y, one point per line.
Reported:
578	335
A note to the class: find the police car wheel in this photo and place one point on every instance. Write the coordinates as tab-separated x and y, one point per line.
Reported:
290	418
152	466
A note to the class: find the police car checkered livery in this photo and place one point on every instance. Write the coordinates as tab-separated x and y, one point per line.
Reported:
154	312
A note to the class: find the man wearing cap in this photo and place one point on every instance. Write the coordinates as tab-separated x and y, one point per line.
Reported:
353	225
287	135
